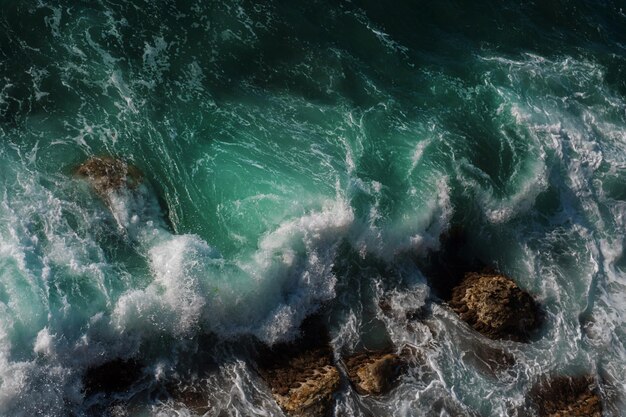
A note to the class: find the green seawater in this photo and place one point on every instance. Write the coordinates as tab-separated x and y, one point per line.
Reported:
301	157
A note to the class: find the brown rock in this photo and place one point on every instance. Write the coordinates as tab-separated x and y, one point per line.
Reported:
106	174
374	373
313	395
566	397
495	306
301	375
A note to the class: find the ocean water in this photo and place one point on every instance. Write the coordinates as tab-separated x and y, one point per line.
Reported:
303	157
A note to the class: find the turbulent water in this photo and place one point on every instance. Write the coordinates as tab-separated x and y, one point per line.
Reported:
302	157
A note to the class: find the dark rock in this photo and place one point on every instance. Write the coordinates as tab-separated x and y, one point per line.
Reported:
106	174
414	314
374	373
566	397
193	396
495	306
301	375
419	314
115	376
385	306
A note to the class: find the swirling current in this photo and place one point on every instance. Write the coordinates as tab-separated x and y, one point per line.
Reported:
306	158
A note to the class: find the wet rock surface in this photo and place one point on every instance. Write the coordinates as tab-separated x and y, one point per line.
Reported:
301	375
110	377
106	174
192	396
495	306
487	359
567	397
374	373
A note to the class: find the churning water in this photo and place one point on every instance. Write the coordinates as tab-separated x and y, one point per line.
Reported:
299	155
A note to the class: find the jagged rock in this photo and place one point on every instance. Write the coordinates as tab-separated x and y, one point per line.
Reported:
106	174
566	397
495	306
115	376
374	373
303	384
301	375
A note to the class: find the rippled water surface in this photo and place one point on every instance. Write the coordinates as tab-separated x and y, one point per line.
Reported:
302	157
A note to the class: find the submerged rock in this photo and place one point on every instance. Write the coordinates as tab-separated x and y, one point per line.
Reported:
106	174
495	306
193	396
374	373
301	375
487	359
566	397
115	376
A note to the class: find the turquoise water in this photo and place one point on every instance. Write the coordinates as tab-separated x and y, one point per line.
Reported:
299	155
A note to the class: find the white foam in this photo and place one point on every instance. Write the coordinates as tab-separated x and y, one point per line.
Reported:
295	267
44	344
174	301
418	153
268	295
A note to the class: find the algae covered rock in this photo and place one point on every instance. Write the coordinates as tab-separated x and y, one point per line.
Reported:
495	306
105	174
565	396
301	375
374	373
